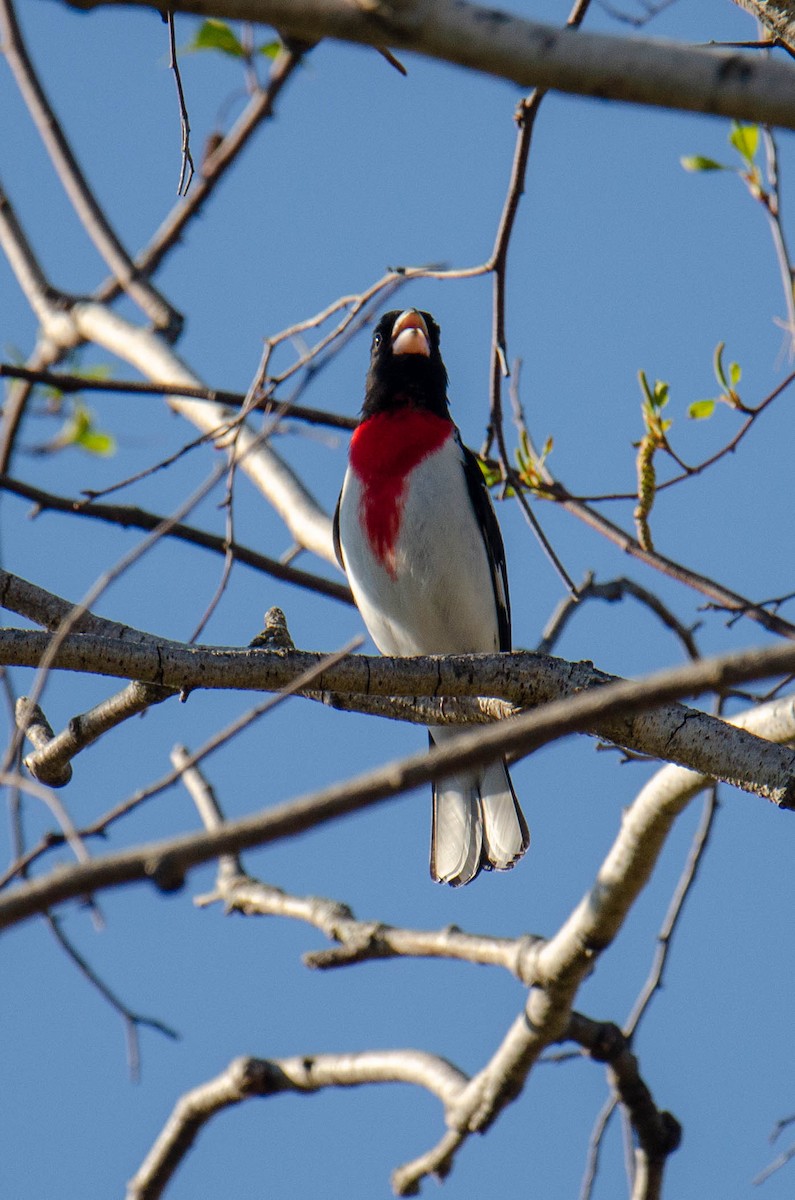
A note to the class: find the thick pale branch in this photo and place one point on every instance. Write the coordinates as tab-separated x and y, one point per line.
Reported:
599	915
33	723
548	1016
248	1077
50	762
166	863
71	176
640	71
362	941
308	524
570	955
132	517
49	610
612	708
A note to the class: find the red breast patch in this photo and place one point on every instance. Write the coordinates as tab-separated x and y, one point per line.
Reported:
384	451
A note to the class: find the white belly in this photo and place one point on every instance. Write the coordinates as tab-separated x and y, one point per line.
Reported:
438	596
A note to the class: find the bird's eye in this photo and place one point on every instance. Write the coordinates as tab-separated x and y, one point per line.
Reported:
376	340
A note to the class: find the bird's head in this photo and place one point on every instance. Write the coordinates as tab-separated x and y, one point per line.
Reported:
406	366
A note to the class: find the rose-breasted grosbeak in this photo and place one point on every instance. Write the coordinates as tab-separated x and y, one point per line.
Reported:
416	534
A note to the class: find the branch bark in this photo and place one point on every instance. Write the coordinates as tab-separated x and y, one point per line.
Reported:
166	863
611	708
776	15
74	182
247	1077
640	71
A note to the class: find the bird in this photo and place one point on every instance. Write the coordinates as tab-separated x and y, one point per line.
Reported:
416	533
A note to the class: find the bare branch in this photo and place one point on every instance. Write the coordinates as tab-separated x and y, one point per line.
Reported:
247	1077
674	733
69	833
69	382
186	169
32	722
664	938
656	1133
133	1021
50	763
306	520
82	197
131	516
213	169
39	292
777	15
732	600
612	590
50	611
165	863
639	71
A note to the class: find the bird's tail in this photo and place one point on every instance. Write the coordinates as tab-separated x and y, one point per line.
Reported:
477	821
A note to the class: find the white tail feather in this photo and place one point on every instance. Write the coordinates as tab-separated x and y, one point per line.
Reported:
477	822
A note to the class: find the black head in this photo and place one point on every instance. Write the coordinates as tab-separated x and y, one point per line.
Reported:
406	366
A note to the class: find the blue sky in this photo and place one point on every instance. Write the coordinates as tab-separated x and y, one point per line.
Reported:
621	261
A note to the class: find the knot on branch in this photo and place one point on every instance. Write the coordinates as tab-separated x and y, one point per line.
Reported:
166	873
364	942
274	635
32	722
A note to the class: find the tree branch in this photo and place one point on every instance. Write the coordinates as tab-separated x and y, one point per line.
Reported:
132	517
165	863
639	71
68	170
51	761
246	1077
212	170
657	1134
675	733
777	15
309	525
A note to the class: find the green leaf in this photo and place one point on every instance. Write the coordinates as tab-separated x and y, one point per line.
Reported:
95	442
216	35
745	139
269	49
735	373
80	431
644	387
717	366
99	371
697	162
490	474
699	410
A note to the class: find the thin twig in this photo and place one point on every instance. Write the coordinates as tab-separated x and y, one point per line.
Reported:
613	590
525	117
97	589
213	170
130	516
186	167
75	184
665	937
69	382
133	1021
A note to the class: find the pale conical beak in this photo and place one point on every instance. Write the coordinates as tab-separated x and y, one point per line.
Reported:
410	334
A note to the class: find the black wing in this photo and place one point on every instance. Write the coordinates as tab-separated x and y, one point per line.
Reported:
492	539
337	542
